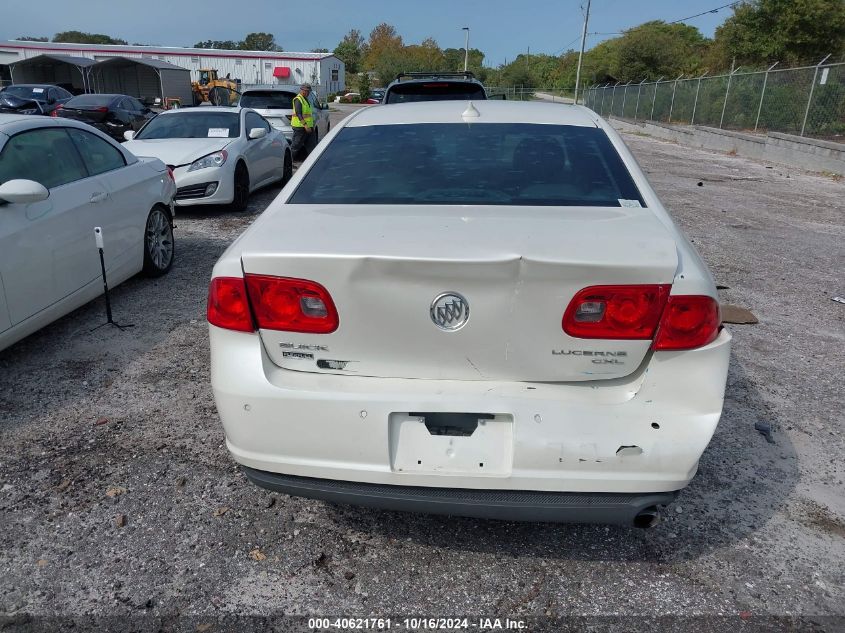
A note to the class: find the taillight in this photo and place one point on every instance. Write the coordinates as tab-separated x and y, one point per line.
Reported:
228	306
616	312
291	305
55	112
170	173
688	321
101	109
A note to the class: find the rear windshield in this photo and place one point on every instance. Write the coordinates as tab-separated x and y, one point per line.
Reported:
27	92
193	125
434	91
474	164
90	100
268	99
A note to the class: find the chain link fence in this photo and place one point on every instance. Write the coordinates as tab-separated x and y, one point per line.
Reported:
808	101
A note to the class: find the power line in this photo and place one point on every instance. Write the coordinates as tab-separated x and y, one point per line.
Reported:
697	15
566	46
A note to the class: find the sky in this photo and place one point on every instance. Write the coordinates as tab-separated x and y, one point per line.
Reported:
500	28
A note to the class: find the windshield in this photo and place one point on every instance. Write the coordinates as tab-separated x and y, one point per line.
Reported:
193	125
474	164
435	91
27	92
268	99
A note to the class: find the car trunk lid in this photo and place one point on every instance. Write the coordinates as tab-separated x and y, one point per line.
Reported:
516	269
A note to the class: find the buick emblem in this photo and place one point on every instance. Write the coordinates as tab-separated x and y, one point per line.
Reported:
449	311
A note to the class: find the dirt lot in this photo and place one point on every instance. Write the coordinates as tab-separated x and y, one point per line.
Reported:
108	424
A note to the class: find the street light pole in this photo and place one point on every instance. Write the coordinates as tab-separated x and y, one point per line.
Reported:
466	48
581	54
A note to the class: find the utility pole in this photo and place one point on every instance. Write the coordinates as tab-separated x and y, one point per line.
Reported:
466	48
581	54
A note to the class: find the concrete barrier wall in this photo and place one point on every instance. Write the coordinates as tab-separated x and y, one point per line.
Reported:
785	149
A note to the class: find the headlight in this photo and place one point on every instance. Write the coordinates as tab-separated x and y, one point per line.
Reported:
212	160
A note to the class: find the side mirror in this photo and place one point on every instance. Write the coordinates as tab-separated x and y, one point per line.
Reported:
129	135
257	132
23	191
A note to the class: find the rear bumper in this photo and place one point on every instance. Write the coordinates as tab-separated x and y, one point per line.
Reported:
508	505
643	434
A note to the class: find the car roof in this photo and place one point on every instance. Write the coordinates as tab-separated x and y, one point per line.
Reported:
8	119
11	124
440	77
488	112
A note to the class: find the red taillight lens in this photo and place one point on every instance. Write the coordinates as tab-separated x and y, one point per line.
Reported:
102	109
616	312
291	305
55	112
228	306
170	173
689	321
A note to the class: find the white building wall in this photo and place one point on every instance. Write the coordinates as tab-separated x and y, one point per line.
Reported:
250	69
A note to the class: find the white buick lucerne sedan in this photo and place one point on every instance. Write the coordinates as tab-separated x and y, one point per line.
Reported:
218	155
59	179
475	309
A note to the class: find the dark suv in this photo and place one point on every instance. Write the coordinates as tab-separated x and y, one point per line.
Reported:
409	87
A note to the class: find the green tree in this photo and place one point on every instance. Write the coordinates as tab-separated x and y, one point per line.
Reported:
78	37
228	45
319	50
601	63
351	50
29	38
790	31
454	60
384	52
423	57
364	86
656	49
259	42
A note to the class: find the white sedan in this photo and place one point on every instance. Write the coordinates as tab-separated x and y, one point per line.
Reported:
276	105
474	309
218	155
58	180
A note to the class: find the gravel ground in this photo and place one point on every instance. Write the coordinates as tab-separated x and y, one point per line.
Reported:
118	498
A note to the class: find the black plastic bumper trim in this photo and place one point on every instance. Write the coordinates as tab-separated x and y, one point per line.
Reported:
508	505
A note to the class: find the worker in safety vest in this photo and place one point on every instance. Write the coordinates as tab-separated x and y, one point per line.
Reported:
302	123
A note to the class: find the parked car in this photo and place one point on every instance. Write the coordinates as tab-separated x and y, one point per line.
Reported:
112	114
276	105
33	98
351	97
58	180
408	87
478	309
375	97
218	155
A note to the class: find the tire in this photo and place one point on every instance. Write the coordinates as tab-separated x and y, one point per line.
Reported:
241	187
159	245
287	171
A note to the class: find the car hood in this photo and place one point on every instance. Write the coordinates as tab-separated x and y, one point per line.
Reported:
177	151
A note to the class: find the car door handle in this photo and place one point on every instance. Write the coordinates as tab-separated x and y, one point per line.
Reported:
99	197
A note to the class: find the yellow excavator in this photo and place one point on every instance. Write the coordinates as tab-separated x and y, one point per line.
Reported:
210	88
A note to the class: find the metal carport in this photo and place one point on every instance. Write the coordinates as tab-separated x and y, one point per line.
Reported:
65	70
146	79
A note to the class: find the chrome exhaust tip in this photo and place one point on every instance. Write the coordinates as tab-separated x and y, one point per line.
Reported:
647	518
